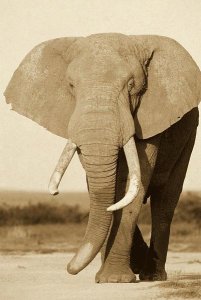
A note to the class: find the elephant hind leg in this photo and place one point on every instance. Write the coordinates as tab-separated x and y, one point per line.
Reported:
139	251
163	203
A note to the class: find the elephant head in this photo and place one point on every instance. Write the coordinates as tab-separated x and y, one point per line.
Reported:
98	92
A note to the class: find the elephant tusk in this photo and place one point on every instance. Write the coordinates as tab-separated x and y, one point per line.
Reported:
134	174
61	167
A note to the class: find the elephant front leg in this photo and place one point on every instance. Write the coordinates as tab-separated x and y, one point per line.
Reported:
116	259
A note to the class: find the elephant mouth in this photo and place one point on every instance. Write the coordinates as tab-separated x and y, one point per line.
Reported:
133	167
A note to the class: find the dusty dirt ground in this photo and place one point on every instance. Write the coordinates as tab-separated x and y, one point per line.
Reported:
43	276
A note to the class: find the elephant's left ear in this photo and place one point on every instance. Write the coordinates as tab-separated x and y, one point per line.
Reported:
173	84
39	89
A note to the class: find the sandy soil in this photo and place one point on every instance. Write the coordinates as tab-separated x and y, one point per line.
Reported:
43	276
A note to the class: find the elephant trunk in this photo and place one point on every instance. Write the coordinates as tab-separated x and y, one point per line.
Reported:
101	173
98	133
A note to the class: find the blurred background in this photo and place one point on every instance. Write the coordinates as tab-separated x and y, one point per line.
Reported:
28	153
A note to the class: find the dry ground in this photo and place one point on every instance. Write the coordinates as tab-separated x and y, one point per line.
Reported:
48	238
43	276
33	258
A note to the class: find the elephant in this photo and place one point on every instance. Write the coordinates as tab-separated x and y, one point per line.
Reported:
129	106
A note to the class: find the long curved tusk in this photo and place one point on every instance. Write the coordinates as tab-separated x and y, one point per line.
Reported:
134	174
61	167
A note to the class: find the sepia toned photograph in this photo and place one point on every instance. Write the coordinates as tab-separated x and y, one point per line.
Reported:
100	149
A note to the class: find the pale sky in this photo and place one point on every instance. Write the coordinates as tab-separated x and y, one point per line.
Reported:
28	153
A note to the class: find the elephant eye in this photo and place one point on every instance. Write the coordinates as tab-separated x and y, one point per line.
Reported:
131	85
71	87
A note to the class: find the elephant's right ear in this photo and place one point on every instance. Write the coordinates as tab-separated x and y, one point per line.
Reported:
39	89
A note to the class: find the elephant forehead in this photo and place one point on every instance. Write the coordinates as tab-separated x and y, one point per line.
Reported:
90	66
116	41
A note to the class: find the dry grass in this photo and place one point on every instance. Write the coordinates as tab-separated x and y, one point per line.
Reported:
185	237
21	199
45	238
67	237
195	261
36	208
190	289
187	211
40	224
40	213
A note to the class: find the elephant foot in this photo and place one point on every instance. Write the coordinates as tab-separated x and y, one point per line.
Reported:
115	273
153	276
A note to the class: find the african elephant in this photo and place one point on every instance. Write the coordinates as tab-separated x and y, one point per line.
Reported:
128	105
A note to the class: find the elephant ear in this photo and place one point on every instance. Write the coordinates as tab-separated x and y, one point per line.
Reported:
173	84
38	89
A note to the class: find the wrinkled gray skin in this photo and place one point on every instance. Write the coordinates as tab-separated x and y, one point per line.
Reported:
126	250
108	77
